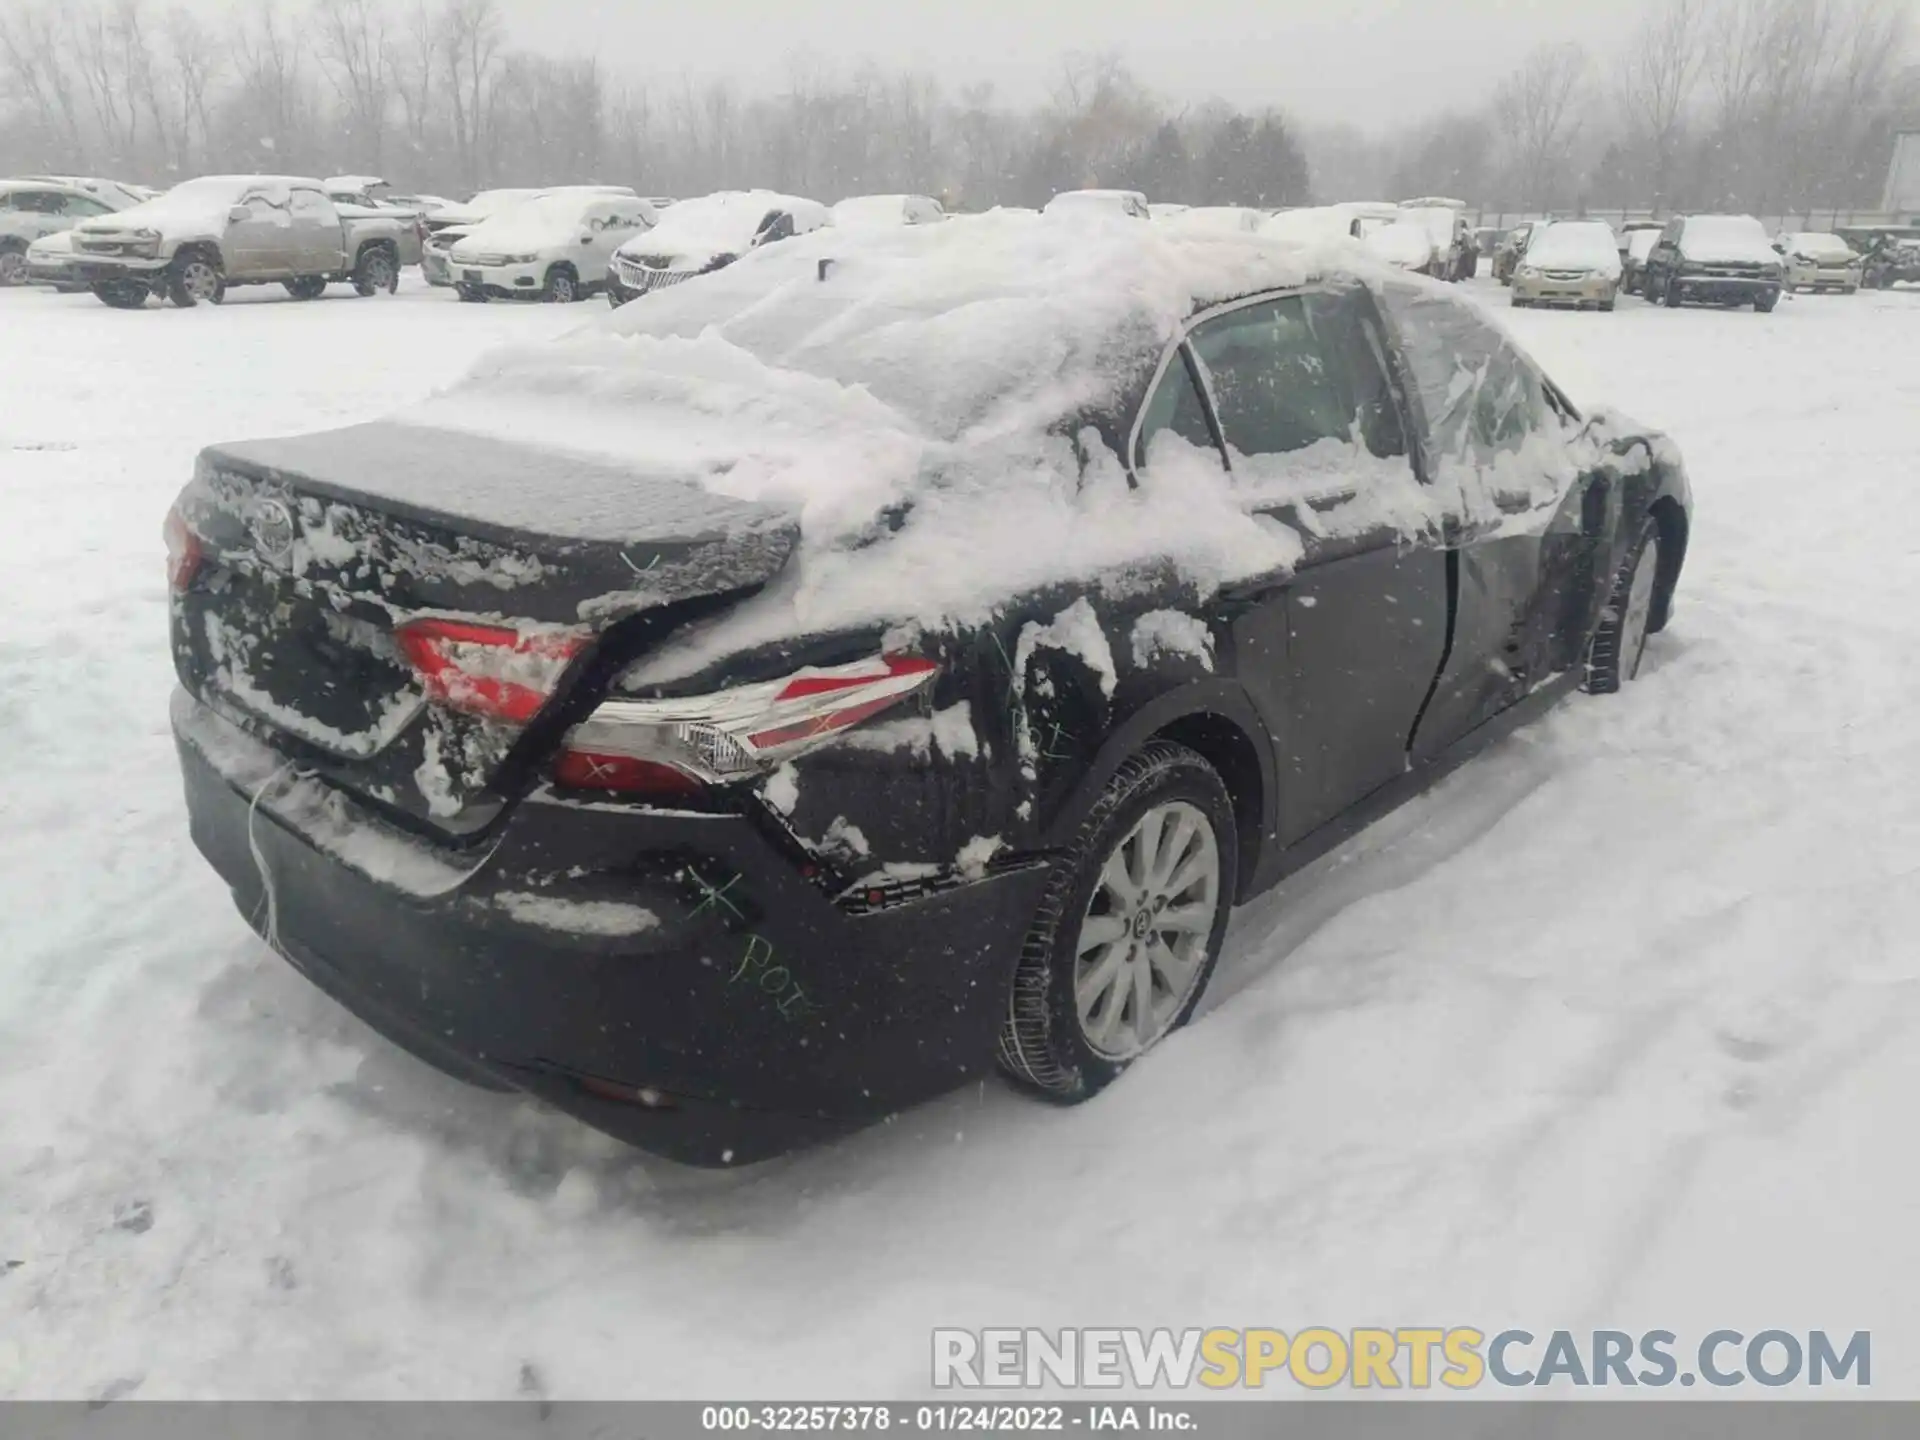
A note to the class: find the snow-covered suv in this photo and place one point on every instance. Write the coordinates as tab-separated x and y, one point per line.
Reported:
553	247
202	236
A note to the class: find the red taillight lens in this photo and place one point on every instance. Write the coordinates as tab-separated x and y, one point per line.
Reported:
488	670
678	745
184	552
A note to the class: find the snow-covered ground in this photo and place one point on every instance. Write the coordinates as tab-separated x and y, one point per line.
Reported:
1619	1026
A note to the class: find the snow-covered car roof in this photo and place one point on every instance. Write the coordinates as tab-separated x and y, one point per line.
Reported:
1216	219
1575	245
1128	203
113	193
200	204
725	223
882	210
355	182
544	220
1725	237
1817	242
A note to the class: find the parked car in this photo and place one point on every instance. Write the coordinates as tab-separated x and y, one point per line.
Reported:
554	248
1506	256
50	262
1888	254
1159	210
1446	228
1819	261
1722	259
884	211
925	655
32	208
371	190
1403	244
1627	229
203	236
1640	244
1569	262
1216	219
700	236
448	225
1099	204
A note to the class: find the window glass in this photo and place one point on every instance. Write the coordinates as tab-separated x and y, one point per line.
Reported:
1480	396
7	201
1175	406
310	205
1273	389
84	205
1350	337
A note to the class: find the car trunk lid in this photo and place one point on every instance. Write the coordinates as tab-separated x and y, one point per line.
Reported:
324	558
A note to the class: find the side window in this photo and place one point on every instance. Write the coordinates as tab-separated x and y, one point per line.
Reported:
7	201
85	206
311	206
1273	388
1351	338
1480	397
774	225
1175	406
261	208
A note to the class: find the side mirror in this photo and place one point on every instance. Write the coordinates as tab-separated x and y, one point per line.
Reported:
238	213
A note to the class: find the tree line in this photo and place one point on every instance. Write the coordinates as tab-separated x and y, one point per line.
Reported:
1758	104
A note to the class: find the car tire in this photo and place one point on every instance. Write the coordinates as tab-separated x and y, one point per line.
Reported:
193	277
375	270
472	294
1074	1023
13	266
1606	304
562	287
1620	641
306	287
1762	304
123	294
1517	303
1673	294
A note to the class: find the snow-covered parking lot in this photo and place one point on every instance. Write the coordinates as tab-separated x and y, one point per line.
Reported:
1619	1026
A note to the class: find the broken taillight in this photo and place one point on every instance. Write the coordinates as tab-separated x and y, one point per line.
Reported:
491	671
184	552
678	745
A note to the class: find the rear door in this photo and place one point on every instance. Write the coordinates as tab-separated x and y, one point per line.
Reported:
1525	508
1338	655
319	237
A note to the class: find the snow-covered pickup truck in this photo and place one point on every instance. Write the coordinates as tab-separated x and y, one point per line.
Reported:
202	236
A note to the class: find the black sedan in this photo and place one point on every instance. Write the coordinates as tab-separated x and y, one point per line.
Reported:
966	620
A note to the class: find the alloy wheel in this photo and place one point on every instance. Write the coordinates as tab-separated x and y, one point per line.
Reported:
200	280
1142	944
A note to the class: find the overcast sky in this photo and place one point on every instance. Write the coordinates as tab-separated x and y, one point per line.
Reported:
1373	62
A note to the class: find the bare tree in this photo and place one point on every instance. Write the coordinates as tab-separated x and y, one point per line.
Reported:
1658	74
34	45
470	45
1539	111
356	52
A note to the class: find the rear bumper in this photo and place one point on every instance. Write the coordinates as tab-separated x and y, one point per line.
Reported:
758	1014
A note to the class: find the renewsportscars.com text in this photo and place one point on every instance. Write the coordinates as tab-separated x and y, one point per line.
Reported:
1413	1358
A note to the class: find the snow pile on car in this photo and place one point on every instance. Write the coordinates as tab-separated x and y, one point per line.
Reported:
924	401
195	207
1731	239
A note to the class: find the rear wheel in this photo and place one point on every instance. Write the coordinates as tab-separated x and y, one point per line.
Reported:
1621	641
194	277
1128	929
375	271
306	287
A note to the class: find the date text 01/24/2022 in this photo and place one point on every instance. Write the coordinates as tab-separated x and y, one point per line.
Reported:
946	1417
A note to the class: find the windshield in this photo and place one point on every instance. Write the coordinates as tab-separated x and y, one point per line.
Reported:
1587	243
1641	242
1437	222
